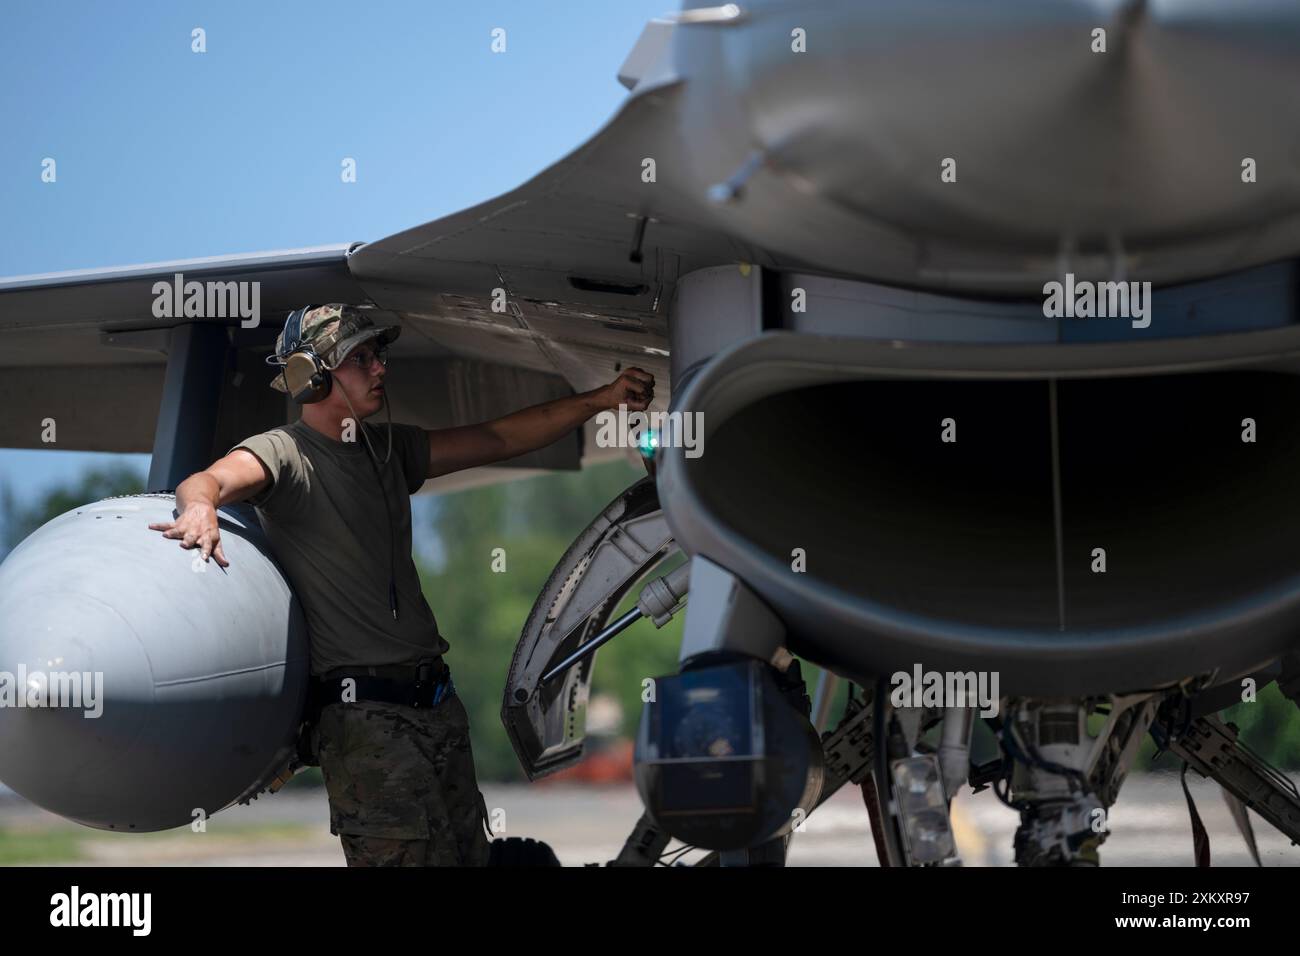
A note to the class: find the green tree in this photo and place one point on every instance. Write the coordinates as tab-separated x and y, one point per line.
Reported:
17	521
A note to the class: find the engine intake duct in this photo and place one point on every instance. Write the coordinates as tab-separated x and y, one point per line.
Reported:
986	551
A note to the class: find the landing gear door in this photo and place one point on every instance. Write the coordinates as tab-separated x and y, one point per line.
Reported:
547	724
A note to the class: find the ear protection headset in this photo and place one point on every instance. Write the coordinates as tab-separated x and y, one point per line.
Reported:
305	376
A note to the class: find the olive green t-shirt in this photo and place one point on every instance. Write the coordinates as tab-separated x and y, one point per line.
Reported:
324	517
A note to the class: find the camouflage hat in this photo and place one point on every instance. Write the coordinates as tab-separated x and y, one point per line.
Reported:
332	331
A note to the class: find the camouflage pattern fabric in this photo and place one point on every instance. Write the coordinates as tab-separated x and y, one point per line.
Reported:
333	331
401	784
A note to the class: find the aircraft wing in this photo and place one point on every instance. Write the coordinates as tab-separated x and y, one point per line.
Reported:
86	350
550	288
587	253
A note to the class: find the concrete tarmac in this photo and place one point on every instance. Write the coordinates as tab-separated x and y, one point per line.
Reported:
1149	827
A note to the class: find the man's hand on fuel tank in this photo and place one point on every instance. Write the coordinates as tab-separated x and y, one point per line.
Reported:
196	527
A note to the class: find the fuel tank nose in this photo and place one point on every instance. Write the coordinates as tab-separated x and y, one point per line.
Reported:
139	684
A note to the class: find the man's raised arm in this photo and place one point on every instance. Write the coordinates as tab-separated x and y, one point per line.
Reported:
455	449
237	476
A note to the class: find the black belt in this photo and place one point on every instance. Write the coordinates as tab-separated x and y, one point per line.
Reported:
422	671
425	685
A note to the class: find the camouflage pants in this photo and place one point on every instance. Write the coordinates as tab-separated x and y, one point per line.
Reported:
401	784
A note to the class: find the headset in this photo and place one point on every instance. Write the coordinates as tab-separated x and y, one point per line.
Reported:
306	378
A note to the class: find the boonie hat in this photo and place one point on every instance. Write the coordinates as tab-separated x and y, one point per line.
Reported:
333	331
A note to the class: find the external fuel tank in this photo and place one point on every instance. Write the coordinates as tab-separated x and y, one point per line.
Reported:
140	687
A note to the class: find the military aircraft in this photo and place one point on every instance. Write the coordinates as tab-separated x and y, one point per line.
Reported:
990	315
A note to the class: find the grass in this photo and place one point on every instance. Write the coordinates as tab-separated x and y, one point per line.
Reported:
52	845
71	844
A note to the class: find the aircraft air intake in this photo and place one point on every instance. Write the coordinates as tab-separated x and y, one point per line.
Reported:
1057	528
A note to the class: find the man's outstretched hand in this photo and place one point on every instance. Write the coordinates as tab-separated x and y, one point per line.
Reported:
634	388
196	528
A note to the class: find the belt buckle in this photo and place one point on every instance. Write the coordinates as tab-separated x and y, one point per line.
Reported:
422	675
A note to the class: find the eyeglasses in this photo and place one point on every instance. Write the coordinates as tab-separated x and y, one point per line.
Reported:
362	358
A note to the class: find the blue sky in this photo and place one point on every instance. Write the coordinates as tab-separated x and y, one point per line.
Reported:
164	153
